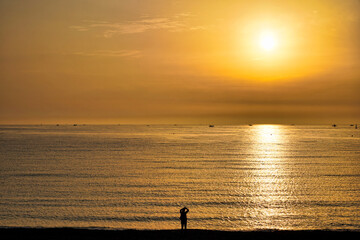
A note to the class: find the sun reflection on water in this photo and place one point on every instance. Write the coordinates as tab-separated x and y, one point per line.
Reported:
268	186
268	134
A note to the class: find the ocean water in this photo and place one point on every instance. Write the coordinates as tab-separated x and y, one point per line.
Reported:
138	177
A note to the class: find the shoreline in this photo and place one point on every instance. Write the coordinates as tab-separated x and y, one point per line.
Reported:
88	234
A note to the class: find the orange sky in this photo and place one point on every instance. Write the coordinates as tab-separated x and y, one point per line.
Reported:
163	61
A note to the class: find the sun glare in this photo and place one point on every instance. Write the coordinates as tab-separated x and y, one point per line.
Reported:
267	40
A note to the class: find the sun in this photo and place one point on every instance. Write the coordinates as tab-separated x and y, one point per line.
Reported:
268	40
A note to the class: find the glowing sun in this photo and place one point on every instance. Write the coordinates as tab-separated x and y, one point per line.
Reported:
268	40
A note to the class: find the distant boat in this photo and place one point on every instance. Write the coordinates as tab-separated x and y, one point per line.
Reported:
334	125
57	125
75	125
250	125
211	125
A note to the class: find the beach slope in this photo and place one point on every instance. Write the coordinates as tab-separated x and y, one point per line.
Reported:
89	234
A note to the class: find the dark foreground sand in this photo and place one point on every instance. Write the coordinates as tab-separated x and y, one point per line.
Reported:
79	234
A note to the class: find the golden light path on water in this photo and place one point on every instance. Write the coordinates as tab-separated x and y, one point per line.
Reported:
268	184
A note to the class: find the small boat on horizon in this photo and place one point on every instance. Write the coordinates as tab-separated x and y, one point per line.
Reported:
211	125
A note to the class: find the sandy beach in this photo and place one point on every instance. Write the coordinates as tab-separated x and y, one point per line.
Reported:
79	234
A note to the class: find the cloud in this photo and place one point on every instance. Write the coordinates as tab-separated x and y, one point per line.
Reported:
80	28
110	53
177	23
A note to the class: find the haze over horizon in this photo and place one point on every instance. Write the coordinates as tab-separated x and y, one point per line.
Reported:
198	62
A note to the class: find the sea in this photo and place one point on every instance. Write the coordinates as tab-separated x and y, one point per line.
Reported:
230	177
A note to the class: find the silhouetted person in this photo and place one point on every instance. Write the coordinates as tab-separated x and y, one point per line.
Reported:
183	217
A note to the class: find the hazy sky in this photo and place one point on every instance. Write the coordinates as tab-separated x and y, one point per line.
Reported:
163	61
